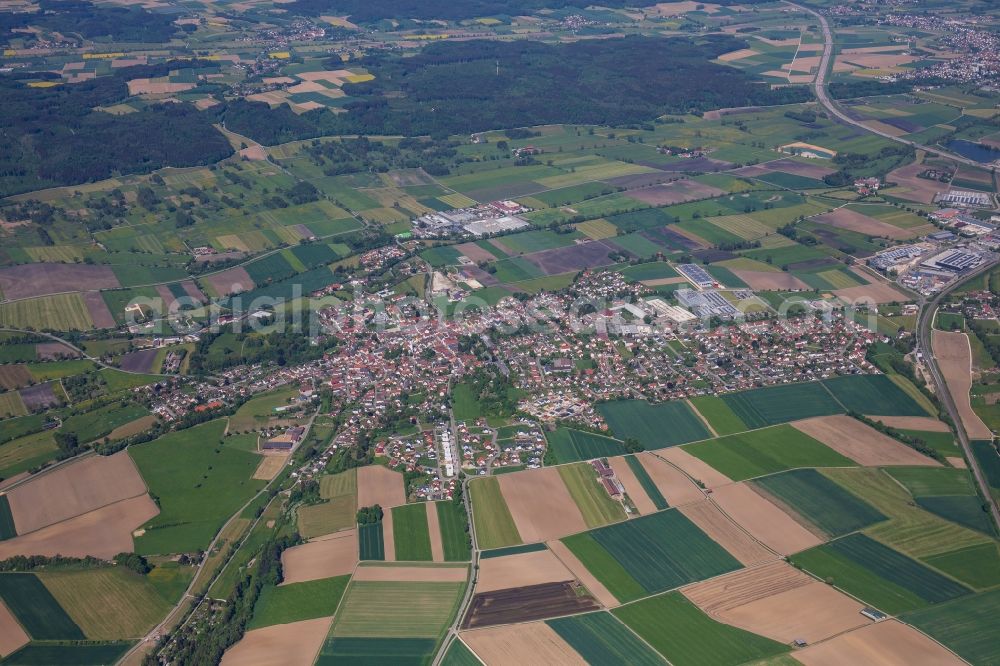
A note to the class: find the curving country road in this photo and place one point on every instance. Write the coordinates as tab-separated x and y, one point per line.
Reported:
831	106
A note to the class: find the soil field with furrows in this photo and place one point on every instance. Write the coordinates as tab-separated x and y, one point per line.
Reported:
798	168
693	467
53	351
723	531
14	376
38	396
877	292
139	361
861	443
844	218
294	643
672	483
31	280
745	586
230	281
333	555
920	190
572	258
888	643
73	490
411	573
521	570
12	636
524	492
674	193
763	520
380	485
98	310
954	357
769	281
475	252
535	642
102	533
524	604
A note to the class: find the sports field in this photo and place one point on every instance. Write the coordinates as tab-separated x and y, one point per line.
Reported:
656	426
590	496
759	452
495	526
601	639
780	404
410	533
283	604
819	500
571	445
373	609
685	635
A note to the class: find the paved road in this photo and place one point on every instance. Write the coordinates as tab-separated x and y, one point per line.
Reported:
923	333
831	106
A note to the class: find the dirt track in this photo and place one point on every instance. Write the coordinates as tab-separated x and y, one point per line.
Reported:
862	444
954	357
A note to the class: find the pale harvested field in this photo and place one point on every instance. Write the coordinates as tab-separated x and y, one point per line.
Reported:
230	281
434	527
500	573
474	252
694	467
878	292
148	86
413	574
722	530
333	555
676	8
291	644
909	186
334	76
102	533
778	601
632	485
737	55
73	490
141	424
254	153
12	636
925	423
862	444
763	520
885	128
662	281
307	87
888	643
956	462
541	505
954	358
845	218
877	60
770	281
570	561
380	485
269	467
533	643
388	537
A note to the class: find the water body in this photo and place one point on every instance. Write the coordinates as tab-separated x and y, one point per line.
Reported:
973	151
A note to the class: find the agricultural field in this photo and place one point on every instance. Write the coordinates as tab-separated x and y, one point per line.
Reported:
494	524
780	404
295	602
410	533
601	638
571	445
720	417
964	625
656	426
590	496
371	609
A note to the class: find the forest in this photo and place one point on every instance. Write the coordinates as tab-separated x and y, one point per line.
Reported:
53	136
71	17
454	88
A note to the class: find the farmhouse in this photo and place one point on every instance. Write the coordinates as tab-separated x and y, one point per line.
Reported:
285	441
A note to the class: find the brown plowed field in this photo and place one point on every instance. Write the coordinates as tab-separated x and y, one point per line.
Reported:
797	168
763	520
139	361
956	462
51	351
12	636
434	527
231	281
582	573
769	280
632	486
14	376
102	533
572	257
474	252
521	570
710	520
524	604
74	489
924	423
862	444
534	643
412	574
954	357
380	485
778	601
38	396
193	291
887	643
674	193
333	555
29	280
291	644
845	218
878	291
693	467
388	537
98	310
913	188
541	505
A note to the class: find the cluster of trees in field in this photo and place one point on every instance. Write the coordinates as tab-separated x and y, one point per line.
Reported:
363	154
53	136
72	17
454	88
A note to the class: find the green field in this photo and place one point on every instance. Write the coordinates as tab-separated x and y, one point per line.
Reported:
199	483
873	394
933	481
298	601
411	534
590	496
60	312
334	515
36	609
571	445
336	485
495	526
371	544
656	426
966	510
91	426
659	501
820	501
68	654
780	404
454	531
374	651
601	639
683	634
464	404
967	626
513	550
718	414
878	574
759	452
976	566
650	554
7	528
459	655
373	609
107	603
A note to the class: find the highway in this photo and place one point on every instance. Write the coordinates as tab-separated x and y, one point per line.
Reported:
831	106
